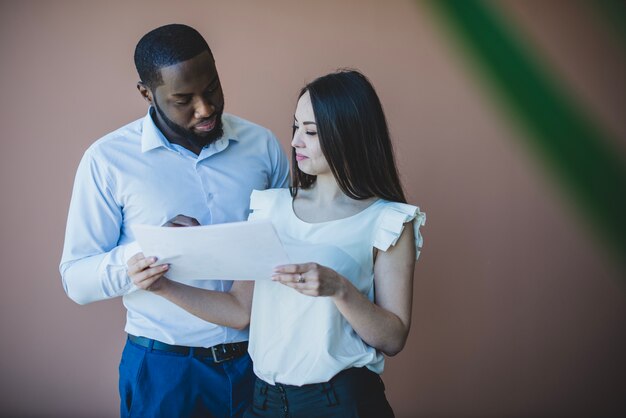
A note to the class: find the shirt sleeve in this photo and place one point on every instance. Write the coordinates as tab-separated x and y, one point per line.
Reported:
93	265
261	203
391	225
280	166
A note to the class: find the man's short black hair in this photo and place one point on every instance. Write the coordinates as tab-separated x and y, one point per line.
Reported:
164	46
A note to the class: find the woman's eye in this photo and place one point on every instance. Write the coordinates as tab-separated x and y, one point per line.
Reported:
311	133
295	127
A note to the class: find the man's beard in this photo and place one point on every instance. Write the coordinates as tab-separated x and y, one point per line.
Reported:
189	135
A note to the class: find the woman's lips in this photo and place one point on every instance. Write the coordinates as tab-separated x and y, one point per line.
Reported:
207	125
300	157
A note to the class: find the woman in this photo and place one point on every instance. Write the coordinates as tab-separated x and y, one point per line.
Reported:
320	327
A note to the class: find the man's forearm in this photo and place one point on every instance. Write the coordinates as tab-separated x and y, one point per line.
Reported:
97	277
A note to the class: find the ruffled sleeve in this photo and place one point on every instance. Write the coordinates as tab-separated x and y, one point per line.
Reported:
261	203
391	225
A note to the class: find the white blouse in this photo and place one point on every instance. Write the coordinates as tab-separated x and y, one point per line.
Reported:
297	339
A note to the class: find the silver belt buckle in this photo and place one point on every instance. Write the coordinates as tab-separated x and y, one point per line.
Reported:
215	358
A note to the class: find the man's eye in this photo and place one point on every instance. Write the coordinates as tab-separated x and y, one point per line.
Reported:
181	102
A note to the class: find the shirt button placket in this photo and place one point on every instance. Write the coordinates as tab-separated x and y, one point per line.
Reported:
204	182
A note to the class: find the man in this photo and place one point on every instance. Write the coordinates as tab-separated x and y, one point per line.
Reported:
185	156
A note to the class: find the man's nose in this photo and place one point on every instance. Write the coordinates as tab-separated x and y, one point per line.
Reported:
203	109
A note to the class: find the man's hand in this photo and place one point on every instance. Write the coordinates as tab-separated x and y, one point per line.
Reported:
182	220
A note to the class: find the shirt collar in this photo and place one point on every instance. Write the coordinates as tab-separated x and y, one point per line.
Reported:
152	137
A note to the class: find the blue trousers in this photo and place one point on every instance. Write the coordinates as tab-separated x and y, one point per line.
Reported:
353	393
158	384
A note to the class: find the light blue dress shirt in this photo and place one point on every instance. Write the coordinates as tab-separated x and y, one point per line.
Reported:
134	175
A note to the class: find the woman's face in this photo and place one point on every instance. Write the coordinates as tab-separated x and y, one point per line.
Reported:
305	141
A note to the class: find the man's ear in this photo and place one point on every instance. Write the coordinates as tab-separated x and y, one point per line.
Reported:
145	92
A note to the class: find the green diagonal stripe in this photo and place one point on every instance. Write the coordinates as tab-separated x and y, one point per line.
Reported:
572	145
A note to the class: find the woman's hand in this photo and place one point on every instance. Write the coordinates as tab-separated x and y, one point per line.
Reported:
144	273
311	279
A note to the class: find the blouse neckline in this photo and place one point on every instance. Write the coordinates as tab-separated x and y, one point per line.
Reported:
293	213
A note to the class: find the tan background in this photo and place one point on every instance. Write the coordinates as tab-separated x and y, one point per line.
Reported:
518	309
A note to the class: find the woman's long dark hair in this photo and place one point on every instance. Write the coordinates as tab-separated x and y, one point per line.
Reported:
353	136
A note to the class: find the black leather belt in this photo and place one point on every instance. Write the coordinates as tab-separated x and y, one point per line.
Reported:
220	352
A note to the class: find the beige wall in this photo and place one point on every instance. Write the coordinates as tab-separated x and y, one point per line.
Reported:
518	308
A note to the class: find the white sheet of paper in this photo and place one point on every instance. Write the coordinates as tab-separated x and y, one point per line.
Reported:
231	251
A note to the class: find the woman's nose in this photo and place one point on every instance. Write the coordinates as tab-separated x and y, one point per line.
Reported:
296	141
